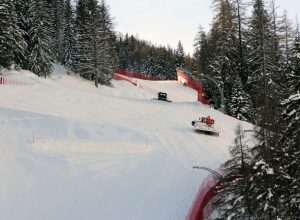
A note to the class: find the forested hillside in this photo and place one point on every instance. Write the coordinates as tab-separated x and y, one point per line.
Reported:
35	34
252	53
143	57
255	59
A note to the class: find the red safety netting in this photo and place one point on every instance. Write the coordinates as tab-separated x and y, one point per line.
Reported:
121	77
131	79
201	208
194	84
5	81
136	75
182	77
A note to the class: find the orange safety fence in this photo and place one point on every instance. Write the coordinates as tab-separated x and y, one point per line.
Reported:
5	81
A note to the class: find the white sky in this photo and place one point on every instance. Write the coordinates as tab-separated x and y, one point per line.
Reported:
165	22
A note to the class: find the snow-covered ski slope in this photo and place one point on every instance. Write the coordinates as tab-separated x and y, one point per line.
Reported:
70	151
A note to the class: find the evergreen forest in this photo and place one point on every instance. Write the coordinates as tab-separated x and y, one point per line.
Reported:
251	51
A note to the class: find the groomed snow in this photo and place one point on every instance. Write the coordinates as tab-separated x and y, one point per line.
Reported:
71	151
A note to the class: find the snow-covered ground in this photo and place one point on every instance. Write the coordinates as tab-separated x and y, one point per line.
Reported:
71	151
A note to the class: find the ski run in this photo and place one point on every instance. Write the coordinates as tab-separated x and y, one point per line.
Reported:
71	151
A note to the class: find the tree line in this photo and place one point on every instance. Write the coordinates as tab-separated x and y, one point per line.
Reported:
255	58
143	57
36	33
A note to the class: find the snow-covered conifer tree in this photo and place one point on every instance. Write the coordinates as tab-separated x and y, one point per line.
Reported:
107	56
262	87
179	53
57	21
224	63
82	52
239	8
68	34
202	51
290	142
232	196
124	53
94	56
262	65
39	60
22	9
12	43
240	105
149	63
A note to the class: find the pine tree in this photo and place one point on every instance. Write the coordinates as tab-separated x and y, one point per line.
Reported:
224	64
179	55
287	54
290	172
162	64
240	105
202	51
262	66
295	64
133	45
124	53
22	9
68	34
170	66
12	43
149	67
275	30
287	37
281	41
39	60
263	178
107	42
94	51
57	21
264	175
82	48
240	19
289	143
232	196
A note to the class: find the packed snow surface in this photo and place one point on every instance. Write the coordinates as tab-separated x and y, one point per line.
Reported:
69	150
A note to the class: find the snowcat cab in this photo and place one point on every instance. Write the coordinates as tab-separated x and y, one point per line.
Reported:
205	125
162	96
